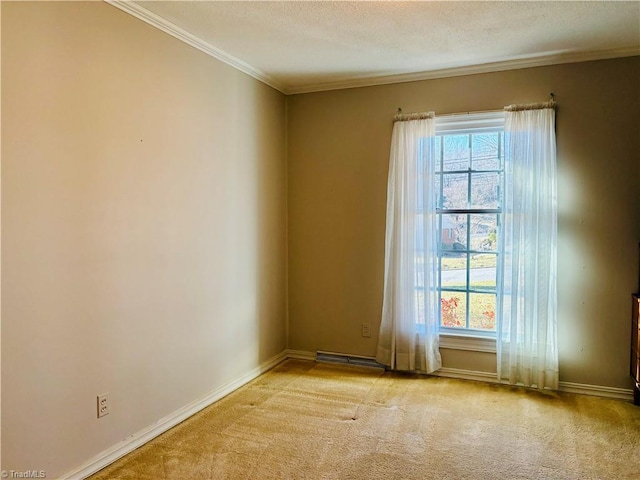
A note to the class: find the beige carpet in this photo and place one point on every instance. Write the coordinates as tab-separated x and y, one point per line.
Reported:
305	420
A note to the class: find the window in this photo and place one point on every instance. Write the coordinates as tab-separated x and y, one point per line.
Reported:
469	154
454	222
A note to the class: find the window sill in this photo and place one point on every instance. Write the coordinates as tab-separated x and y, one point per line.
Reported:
467	342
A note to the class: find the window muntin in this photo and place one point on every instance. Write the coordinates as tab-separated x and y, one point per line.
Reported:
469	184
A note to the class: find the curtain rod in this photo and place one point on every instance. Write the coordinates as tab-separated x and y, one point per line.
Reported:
501	110
551	103
404	117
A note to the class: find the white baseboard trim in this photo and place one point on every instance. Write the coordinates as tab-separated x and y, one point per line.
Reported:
300	355
140	438
489	377
461	374
566	387
597	390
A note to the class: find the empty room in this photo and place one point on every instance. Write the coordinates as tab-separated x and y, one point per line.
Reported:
303	240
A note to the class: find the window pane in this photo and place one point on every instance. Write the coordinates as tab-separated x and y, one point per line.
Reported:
453	309
482	311
455	190
482	271
454	271
453	234
485	151
484	190
456	152
484	229
468	179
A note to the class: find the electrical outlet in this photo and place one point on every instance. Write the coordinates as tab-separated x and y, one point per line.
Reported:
366	330
103	405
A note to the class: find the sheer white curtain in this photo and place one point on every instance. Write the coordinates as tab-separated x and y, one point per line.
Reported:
408	337
527	339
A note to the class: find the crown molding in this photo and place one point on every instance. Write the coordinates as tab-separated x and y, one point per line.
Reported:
513	64
366	80
181	34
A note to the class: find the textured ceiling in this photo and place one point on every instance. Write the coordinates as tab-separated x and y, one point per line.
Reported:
316	45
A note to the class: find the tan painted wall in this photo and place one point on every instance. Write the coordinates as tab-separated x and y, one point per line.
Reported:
143	228
338	150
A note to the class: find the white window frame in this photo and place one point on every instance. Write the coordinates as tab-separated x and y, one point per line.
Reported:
481	122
